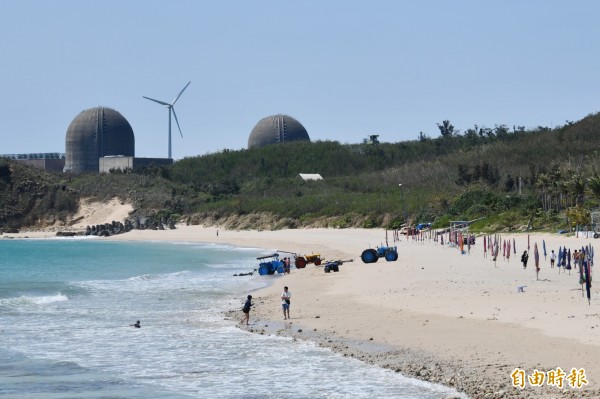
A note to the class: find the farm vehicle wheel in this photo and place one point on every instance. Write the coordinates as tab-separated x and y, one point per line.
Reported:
300	262
391	256
369	256
264	269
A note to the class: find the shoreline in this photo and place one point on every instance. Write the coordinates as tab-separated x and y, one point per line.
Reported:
434	314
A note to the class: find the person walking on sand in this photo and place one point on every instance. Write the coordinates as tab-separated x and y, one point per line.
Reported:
552	259
246	310
524	259
285	302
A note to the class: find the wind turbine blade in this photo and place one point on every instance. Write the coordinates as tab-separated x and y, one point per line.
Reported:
178	127
180	93
157	101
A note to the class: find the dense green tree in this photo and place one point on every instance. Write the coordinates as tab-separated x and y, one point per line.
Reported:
447	129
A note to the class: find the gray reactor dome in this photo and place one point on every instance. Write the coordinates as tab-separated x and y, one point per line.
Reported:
277	129
94	133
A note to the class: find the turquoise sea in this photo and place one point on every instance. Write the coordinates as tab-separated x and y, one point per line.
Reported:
66	306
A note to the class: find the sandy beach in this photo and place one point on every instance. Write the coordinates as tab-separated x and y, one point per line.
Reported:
436	314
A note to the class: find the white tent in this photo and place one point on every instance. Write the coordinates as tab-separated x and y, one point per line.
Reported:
310	176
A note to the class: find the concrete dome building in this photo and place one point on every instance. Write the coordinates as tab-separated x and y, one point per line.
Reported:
95	133
277	129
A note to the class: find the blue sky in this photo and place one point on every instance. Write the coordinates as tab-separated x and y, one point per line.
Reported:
344	69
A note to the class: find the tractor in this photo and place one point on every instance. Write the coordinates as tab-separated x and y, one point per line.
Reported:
372	255
271	266
302	261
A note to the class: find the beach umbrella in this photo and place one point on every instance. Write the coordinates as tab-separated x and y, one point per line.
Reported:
536	257
581	276
569	261
544	245
508	251
590	261
496	249
588	279
559	258
527	242
564	257
514	247
484	246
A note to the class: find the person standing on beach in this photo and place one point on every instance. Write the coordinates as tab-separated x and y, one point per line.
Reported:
552	259
246	310
285	302
284	265
524	259
287	265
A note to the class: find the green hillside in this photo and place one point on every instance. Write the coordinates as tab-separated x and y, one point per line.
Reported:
543	178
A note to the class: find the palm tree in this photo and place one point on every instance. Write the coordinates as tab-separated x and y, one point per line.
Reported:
556	184
576	188
543	184
593	184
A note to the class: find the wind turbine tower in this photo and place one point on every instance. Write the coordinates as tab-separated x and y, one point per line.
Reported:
171	109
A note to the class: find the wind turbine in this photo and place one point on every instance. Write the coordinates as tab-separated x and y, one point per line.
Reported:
171	109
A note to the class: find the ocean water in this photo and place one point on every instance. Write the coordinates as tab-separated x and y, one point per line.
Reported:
66	306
